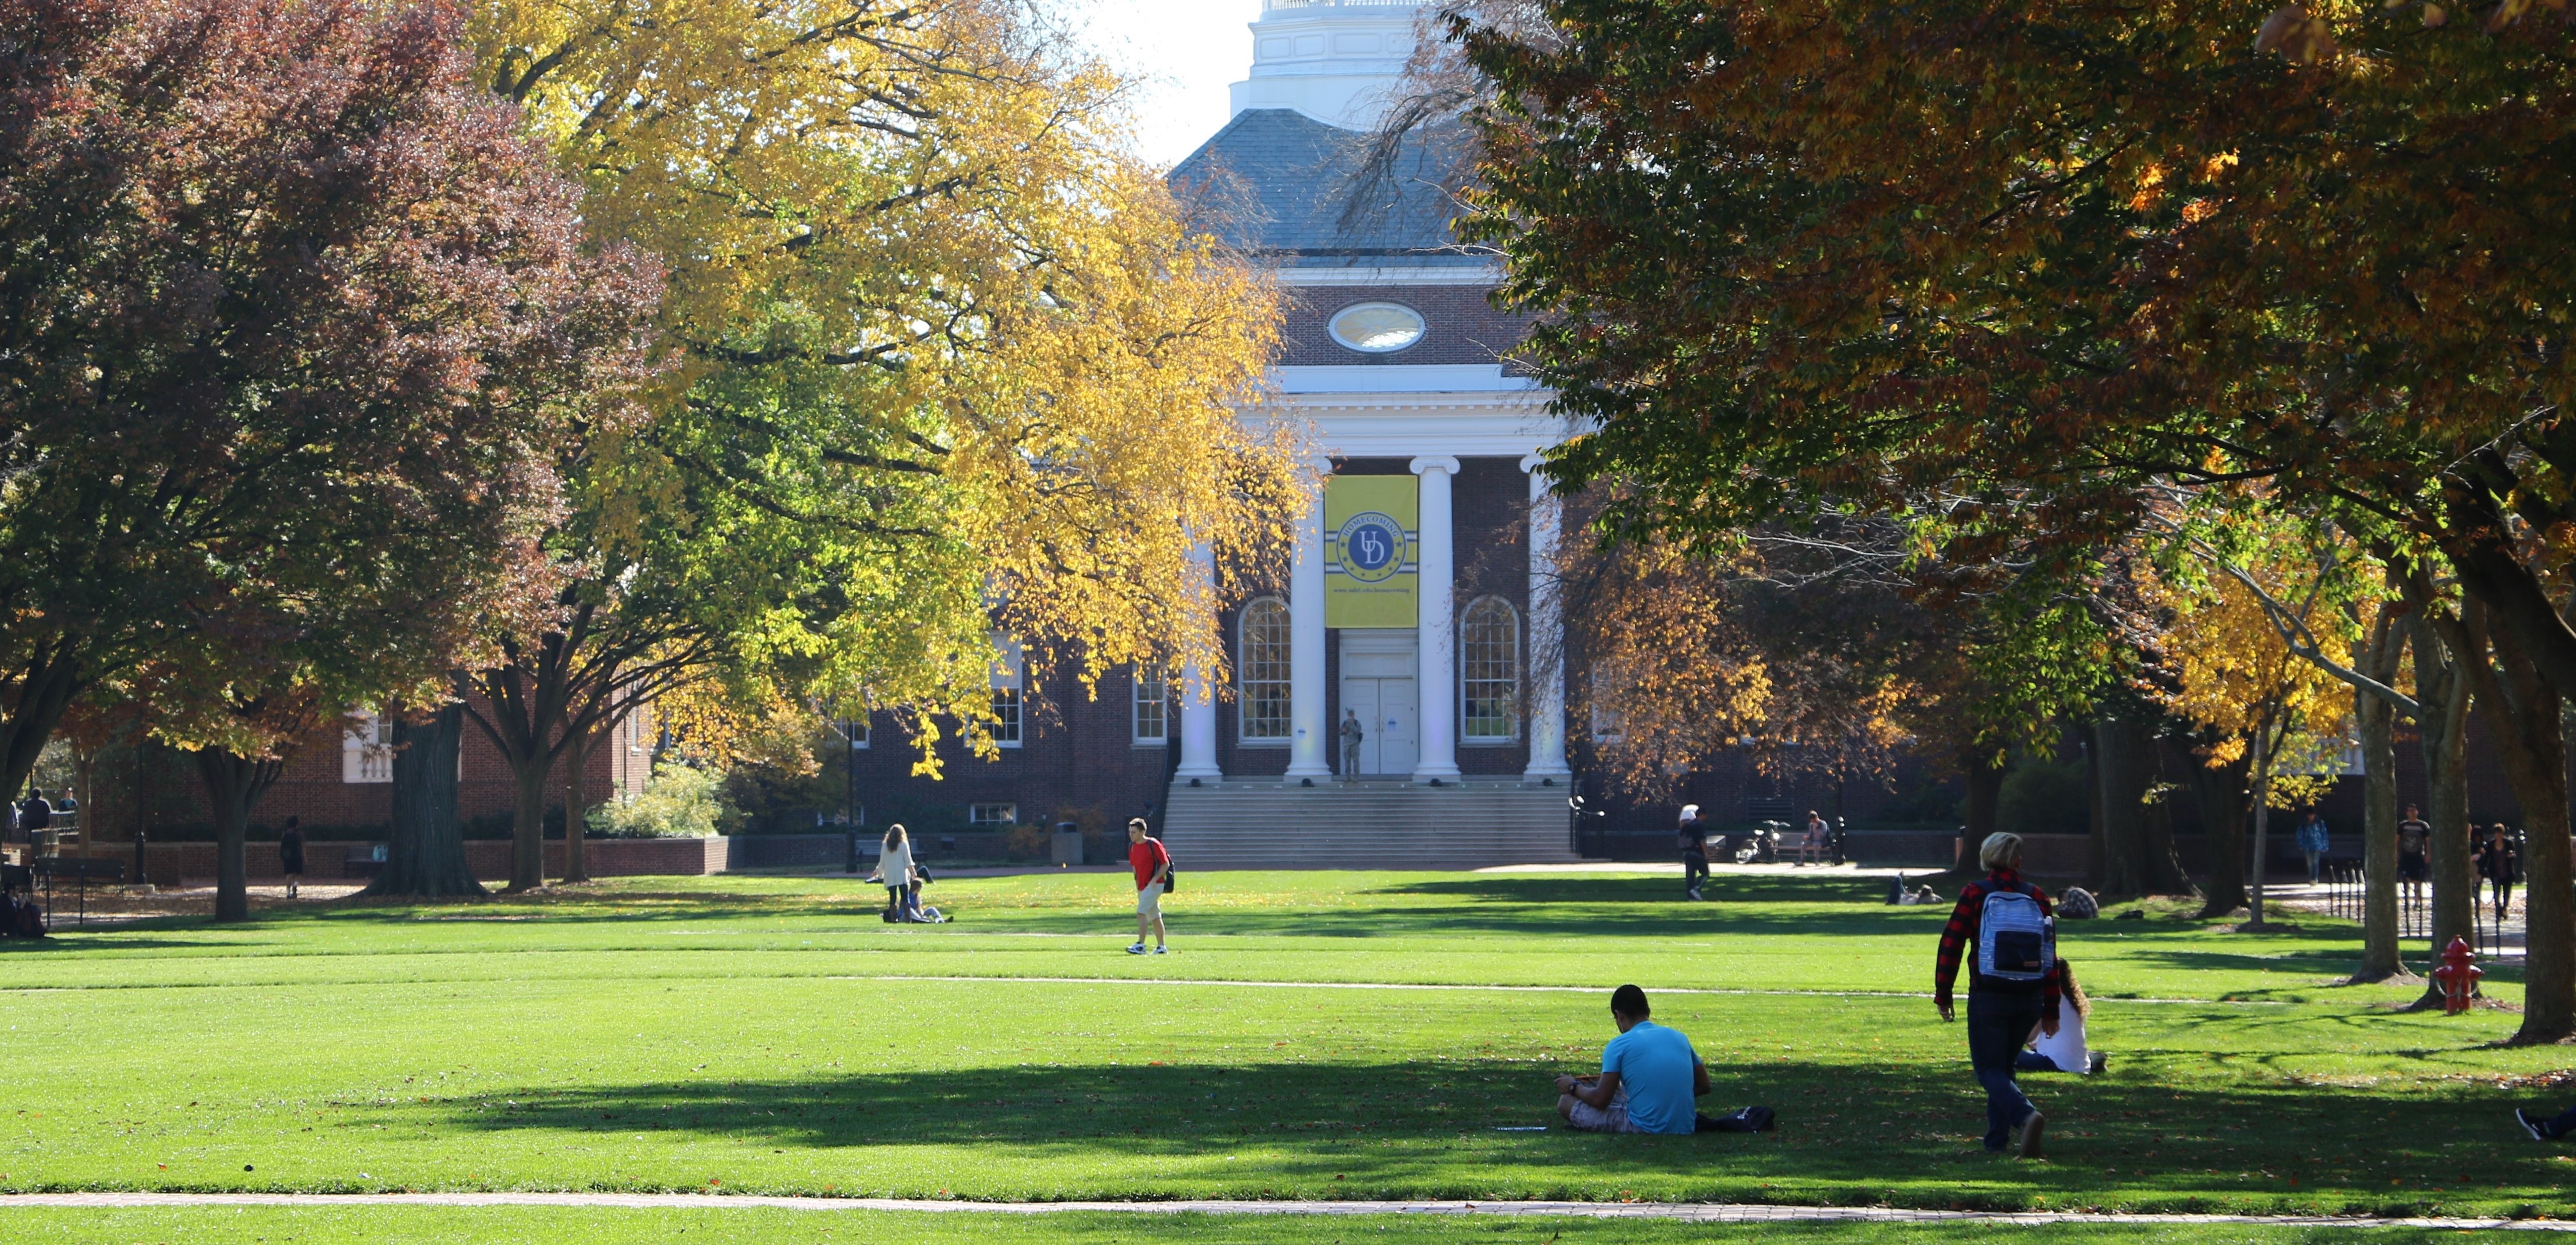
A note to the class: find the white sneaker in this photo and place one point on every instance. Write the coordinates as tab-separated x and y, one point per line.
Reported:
1136	948
1162	950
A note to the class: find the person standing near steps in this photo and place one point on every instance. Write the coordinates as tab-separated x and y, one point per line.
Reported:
1153	868
2007	925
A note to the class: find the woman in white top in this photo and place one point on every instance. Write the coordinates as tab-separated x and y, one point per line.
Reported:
894	868
2065	1051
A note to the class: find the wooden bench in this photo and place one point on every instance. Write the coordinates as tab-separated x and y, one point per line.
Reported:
364	862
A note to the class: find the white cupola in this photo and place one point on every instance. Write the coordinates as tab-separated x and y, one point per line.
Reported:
1337	61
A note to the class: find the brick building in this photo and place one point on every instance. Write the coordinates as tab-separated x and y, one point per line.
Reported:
340	783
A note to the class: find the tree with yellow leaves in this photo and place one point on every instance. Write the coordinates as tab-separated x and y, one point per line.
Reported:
941	359
2232	673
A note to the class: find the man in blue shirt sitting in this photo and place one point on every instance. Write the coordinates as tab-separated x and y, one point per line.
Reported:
1650	1079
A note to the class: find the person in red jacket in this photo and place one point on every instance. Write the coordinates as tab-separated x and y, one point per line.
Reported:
1153	868
2000	1012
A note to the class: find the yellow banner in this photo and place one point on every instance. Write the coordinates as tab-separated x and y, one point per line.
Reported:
1371	542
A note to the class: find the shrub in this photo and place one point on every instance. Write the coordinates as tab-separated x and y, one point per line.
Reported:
1028	842
681	802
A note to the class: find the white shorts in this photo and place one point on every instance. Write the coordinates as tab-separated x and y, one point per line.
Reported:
1149	901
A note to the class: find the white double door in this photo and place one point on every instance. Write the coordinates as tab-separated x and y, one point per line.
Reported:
1379	670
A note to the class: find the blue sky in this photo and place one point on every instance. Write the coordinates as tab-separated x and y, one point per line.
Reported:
1186	52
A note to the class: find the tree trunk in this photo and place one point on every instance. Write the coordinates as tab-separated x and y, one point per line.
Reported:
2124	755
2263	746
2377	720
2164	874
2219	794
85	789
2455	883
528	826
577	755
233	787
2522	710
1985	782
426	856
2116	792
47	682
2101	877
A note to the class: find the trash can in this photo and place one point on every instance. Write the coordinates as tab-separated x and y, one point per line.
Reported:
1068	843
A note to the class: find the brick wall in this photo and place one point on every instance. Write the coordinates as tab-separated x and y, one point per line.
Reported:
312	787
1077	752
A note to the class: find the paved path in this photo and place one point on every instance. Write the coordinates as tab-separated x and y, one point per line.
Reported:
1687	1212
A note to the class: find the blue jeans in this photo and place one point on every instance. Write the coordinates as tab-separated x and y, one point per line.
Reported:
1998	1024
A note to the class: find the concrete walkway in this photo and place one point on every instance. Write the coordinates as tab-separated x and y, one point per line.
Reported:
1685	1212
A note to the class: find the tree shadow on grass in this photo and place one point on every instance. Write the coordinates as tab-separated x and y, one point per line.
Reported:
1902	1136
1540	890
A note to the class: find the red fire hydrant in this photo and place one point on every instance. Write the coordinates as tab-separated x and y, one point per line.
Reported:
2458	976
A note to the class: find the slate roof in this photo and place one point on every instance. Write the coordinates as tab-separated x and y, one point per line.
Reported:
1282	184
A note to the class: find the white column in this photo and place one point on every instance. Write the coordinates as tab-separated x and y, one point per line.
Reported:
1439	686
1546	636
1198	699
1306	757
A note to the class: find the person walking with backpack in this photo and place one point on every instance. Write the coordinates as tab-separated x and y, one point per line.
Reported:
1153	868
2012	983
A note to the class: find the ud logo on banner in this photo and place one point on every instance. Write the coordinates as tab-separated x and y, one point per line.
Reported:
1371	551
1372	547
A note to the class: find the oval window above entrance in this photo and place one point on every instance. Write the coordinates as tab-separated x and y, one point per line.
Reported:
1377	328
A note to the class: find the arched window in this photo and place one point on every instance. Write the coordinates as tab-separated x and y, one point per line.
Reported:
1489	669
1261	663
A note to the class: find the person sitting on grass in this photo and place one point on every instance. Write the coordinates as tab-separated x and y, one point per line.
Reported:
2064	1050
1650	1078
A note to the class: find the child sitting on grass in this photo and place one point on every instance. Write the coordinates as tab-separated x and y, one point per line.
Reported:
2064	1050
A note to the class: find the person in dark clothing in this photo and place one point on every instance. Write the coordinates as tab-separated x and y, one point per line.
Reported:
2414	853
1693	840
2501	866
34	814
290	854
2001	1013
2549	1128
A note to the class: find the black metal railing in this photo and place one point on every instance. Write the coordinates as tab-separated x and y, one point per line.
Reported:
2347	896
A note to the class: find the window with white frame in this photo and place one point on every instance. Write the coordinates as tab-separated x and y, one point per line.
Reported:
1262	662
1009	691
992	814
366	751
1489	672
1152	706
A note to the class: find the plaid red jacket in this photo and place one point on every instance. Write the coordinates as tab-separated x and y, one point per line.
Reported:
1961	934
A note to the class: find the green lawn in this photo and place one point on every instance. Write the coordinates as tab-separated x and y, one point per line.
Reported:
770	1035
